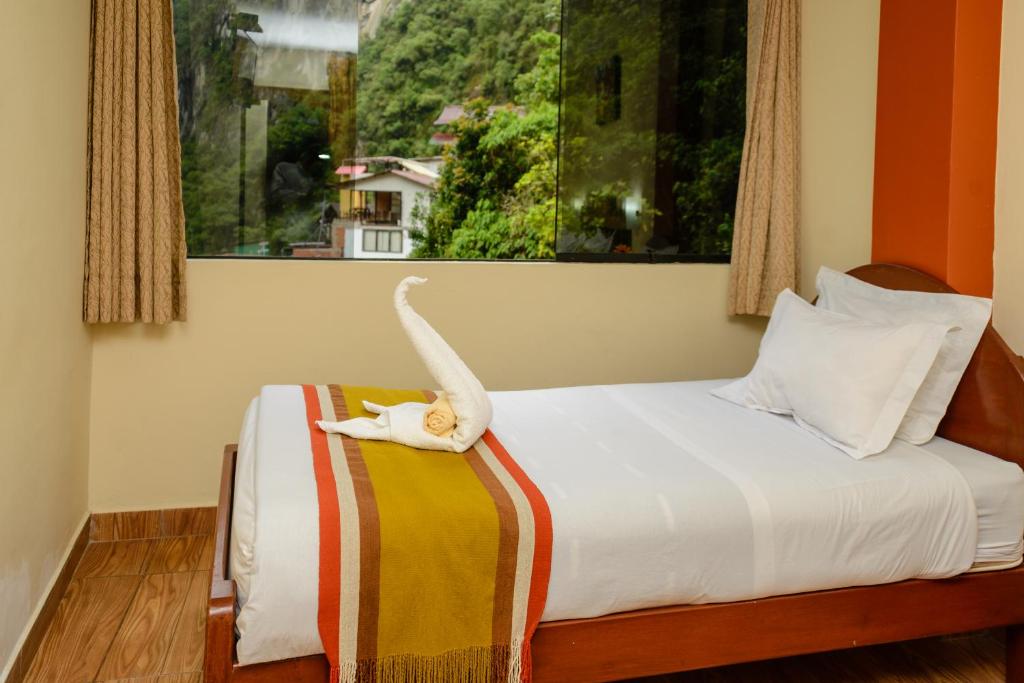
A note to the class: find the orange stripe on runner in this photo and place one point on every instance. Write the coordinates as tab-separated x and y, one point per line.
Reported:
368	618
542	534
328	612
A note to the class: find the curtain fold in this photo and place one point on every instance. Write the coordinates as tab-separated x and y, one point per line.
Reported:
765	243
135	243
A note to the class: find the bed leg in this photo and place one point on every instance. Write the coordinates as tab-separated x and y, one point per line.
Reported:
220	637
1015	653
219	659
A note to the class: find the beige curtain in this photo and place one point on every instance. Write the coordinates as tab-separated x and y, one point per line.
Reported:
765	239
135	245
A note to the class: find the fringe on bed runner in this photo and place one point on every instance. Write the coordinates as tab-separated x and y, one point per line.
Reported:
494	664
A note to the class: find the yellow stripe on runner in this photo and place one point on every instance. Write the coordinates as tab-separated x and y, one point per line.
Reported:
439	542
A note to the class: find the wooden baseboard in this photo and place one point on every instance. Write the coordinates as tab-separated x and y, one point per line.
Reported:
139	524
23	658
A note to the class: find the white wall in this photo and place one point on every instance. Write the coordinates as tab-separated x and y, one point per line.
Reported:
839	75
166	400
1008	295
44	347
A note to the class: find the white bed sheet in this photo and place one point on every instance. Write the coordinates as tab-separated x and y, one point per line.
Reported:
659	494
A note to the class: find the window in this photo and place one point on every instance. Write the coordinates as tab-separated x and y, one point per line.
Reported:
382	241
368	206
652	122
500	129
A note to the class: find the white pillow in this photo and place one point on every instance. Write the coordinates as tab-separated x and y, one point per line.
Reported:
967	317
846	380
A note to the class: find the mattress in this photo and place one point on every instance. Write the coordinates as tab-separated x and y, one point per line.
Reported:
659	494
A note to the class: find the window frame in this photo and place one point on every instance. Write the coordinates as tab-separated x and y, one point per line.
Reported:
637	257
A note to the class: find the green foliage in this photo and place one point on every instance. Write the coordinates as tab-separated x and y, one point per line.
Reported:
682	120
207	88
708	147
284	183
496	195
298	131
430	53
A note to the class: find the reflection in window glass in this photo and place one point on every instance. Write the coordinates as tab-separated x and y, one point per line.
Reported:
266	104
307	125
653	115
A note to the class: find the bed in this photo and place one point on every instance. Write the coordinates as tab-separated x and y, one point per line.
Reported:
623	599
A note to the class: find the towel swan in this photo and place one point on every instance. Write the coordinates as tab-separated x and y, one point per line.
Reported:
408	423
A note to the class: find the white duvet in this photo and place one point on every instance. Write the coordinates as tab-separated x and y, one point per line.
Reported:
660	494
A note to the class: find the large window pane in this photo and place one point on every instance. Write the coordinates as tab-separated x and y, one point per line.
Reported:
304	121
652	121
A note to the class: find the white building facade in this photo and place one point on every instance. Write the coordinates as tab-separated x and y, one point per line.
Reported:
378	212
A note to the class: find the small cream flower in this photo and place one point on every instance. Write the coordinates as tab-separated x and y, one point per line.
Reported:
439	419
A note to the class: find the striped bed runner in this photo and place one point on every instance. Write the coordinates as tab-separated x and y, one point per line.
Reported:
434	566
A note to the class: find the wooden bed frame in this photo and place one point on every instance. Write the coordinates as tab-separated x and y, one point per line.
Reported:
986	413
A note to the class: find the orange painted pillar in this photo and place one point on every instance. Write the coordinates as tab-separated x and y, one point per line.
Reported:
935	140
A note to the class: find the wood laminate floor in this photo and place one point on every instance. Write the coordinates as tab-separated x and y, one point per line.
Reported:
135	610
135	613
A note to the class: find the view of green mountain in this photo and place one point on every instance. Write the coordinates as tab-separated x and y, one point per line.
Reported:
426	54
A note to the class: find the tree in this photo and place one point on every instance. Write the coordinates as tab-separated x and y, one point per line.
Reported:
496	194
662	172
430	53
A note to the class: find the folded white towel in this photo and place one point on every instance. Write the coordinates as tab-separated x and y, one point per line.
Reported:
404	423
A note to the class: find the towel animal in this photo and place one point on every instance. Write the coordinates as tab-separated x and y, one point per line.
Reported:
454	422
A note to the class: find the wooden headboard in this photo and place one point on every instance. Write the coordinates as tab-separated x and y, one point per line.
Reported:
987	411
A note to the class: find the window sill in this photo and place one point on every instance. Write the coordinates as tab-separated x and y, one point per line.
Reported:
560	259
641	258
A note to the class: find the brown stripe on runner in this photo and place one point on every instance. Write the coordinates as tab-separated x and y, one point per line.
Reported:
369	545
508	553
